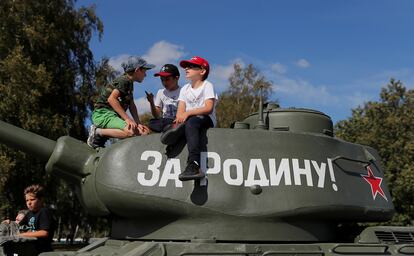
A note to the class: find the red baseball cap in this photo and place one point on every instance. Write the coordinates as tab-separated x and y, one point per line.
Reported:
197	61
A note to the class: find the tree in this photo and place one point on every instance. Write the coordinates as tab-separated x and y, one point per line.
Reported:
46	80
388	126
104	75
243	95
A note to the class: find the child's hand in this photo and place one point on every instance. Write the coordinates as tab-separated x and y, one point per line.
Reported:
150	96
131	124
181	117
143	130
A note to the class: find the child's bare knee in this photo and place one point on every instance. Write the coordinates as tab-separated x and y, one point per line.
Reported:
129	132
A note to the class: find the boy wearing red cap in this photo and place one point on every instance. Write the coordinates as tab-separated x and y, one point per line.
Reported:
196	108
164	107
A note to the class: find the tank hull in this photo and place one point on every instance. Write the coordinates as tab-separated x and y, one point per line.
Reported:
280	187
106	247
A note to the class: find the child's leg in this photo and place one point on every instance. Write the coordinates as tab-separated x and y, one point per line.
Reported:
111	125
114	133
193	127
155	125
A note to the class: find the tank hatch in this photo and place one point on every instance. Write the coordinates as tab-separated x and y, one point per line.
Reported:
298	120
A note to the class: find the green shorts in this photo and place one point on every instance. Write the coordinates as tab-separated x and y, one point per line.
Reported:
106	118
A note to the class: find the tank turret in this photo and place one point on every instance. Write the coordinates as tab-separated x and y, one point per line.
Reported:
285	180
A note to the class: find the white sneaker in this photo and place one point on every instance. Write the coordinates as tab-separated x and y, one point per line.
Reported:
92	136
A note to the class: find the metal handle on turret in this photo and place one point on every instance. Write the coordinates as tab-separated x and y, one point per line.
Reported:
350	159
370	158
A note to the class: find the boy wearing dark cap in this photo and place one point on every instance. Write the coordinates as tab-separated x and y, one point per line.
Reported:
164	108
196	108
109	117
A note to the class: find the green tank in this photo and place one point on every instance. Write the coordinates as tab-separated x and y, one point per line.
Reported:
277	183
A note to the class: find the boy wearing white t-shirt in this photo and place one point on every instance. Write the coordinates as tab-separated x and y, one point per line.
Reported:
164	107
196	108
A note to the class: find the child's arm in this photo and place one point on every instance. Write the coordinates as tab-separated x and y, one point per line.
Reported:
179	116
113	101
182	115
143	130
155	110
39	234
134	111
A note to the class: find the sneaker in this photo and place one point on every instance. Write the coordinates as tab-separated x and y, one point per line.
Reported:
94	139
172	135
92	135
100	141
192	172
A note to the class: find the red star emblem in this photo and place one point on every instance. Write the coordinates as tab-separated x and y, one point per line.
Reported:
375	183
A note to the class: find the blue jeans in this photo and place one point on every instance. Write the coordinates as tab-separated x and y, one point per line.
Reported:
196	136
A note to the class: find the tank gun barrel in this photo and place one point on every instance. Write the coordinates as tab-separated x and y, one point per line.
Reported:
67	156
26	141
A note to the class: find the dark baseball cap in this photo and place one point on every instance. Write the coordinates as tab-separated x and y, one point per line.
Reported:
168	70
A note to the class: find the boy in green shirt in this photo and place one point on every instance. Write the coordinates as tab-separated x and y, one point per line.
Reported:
109	117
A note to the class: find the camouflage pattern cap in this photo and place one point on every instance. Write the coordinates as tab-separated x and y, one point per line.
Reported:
134	62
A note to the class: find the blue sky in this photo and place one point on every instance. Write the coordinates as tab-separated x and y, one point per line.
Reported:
327	55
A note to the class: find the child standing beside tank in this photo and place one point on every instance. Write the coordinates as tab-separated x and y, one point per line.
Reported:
164	107
109	118
39	219
196	110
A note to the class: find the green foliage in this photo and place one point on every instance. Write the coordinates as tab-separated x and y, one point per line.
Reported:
47	76
104	75
243	95
388	126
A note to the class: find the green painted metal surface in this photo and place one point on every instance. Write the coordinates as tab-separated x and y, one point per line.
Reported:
277	188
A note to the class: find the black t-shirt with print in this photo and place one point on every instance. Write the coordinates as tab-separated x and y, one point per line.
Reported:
41	220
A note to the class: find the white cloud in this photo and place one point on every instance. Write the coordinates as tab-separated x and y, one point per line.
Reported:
279	68
116	62
159	54
164	52
220	74
223	72
302	63
304	92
